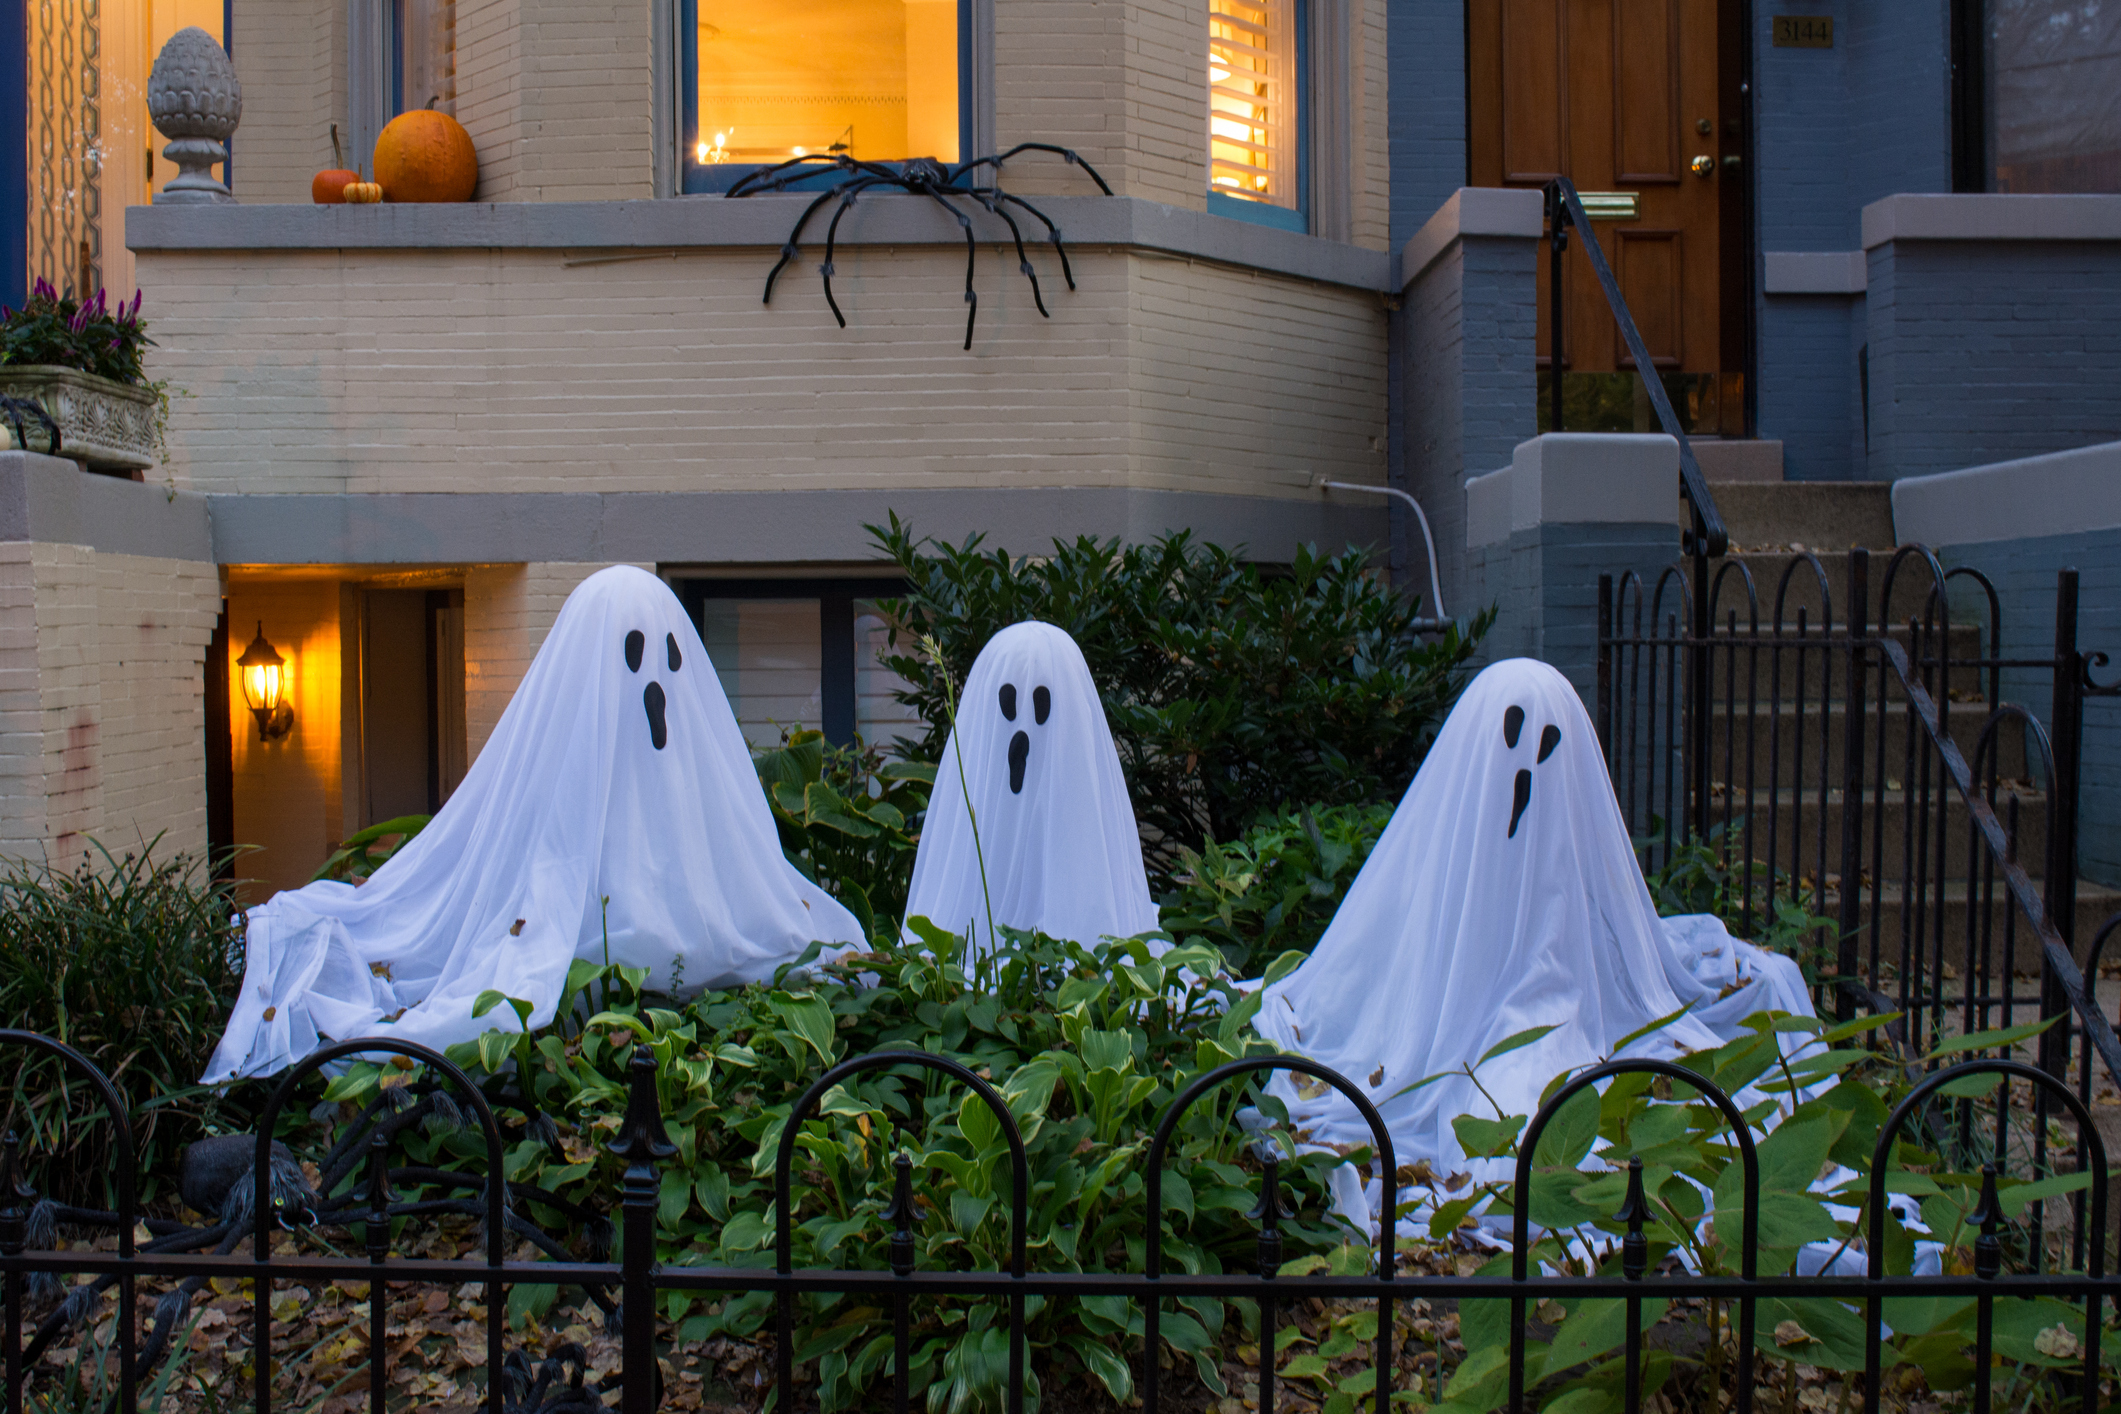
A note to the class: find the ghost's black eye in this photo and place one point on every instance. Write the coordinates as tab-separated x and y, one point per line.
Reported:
670	644
1008	695
1548	740
1041	704
635	643
1512	724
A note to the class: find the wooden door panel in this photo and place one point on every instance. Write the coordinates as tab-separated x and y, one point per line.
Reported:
1650	266
1534	90
1646	118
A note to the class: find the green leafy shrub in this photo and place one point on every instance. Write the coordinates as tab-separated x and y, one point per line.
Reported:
1844	1090
361	853
1275	887
55	328
135	962
1233	693
846	819
1087	1047
1760	904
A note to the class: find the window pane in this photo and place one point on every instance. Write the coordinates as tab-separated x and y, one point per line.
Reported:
2054	95
765	651
875	79
879	718
426	75
1252	100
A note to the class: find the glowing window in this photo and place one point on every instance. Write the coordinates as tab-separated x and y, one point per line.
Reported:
1252	101
774	79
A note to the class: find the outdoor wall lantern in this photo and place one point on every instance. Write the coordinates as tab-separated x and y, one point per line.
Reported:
262	681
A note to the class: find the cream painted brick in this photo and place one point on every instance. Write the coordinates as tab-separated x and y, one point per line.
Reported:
508	610
290	57
505	370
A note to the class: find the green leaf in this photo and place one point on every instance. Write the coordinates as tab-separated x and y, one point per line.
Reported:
747	1231
1105	1363
2000	1040
1283	965
1641	1031
1514	1042
810	1019
1487	1138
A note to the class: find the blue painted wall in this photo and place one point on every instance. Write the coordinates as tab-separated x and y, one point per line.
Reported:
1428	97
14	151
2023	572
1986	351
1837	129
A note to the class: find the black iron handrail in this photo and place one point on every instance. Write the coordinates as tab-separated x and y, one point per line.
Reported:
1708	539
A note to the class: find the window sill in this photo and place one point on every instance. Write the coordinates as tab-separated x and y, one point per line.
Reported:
1281	218
597	231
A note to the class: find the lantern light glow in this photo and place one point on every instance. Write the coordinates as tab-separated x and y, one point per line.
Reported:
264	676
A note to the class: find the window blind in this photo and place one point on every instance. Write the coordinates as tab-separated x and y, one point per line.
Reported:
1252	100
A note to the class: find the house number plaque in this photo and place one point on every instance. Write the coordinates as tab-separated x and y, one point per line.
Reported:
1804	31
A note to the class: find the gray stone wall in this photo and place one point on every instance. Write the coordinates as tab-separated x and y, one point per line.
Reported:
1983	351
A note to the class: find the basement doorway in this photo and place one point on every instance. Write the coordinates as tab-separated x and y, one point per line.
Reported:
413	742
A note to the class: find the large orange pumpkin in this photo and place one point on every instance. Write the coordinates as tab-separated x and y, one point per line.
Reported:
425	155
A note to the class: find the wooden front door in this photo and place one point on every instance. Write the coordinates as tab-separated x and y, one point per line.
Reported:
1625	98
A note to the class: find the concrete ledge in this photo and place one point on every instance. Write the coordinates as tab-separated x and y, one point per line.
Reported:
1991	217
1472	211
1590	478
760	223
50	499
1814	272
1488	509
750	527
2061	493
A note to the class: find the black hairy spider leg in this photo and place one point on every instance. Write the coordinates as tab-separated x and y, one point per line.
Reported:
1052	232
788	251
1023	261
848	191
971	255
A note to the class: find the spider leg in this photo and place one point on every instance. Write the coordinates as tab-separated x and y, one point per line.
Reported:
788	249
767	179
971	254
1023	261
1052	232
852	189
1067	155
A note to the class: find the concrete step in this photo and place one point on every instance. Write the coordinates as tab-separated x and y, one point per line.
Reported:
1786	750
1817	515
1770	568
1723	460
1784	829
2095	904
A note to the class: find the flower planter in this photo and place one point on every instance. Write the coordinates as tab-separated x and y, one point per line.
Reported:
106	426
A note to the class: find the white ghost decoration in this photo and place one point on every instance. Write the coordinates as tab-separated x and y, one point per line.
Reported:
1505	895
617	771
1056	827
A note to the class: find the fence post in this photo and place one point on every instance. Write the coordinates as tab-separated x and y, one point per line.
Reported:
1856	624
1605	674
642	1143
14	1224
2067	709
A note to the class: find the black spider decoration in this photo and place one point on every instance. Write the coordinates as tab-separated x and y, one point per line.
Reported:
13	410
921	176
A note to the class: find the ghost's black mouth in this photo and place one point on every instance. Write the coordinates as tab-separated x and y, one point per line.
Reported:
1019	756
1524	798
658	728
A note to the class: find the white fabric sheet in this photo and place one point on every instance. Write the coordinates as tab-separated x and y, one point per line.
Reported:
1056	828
1503	896
617	771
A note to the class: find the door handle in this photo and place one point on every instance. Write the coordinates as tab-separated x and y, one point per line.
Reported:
1703	165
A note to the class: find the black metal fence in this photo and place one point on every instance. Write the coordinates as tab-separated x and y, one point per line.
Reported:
515	1381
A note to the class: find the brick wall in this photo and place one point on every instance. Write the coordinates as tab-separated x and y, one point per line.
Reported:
506	370
1985	351
1467	393
1428	110
508	610
101	693
558	99
2023	572
290	57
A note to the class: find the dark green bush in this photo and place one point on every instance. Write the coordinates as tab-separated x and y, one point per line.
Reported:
1233	693
133	961
847	819
1275	887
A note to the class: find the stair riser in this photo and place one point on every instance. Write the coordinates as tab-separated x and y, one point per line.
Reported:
1911	588
1796	837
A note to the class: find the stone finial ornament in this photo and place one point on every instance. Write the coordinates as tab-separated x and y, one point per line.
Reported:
196	102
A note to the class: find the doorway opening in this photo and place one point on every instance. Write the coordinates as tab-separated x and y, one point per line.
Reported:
413	741
1643	105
